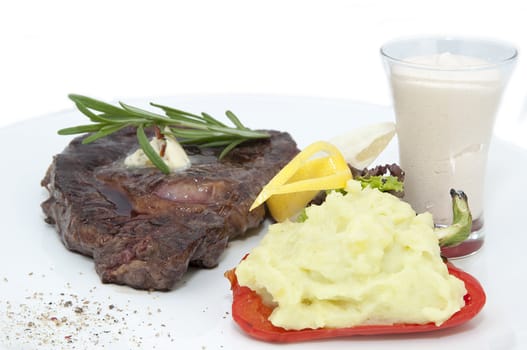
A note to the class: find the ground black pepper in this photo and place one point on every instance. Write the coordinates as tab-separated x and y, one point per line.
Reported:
70	321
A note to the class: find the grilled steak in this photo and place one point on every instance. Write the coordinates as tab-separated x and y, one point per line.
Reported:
143	228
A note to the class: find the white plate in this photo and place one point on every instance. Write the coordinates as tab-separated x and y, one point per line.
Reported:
40	280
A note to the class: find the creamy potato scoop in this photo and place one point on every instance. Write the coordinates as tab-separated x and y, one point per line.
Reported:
360	258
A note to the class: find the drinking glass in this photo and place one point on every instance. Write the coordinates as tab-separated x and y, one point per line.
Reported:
446	93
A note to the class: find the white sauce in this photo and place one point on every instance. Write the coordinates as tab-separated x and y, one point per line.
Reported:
175	156
445	118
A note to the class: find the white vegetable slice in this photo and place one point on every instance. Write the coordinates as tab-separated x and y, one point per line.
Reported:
361	146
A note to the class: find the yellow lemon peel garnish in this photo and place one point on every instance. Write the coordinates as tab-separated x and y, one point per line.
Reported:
302	178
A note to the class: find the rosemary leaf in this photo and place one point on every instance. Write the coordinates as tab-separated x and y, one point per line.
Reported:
178	119
245	133
93	117
218	143
103	132
122	118
205	141
94	104
145	114
81	129
234	119
213	120
229	148
195	133
175	111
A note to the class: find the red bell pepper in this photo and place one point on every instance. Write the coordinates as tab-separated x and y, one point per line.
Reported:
251	314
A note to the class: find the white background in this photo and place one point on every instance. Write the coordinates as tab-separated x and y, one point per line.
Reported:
126	49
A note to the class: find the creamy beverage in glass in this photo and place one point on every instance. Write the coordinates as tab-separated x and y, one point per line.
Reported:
446	93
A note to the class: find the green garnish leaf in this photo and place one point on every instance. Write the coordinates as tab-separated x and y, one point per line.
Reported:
234	119
80	129
201	130
229	147
93	117
94	104
103	132
383	183
302	216
176	112
212	120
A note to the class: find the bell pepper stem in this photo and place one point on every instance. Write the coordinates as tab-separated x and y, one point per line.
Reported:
461	223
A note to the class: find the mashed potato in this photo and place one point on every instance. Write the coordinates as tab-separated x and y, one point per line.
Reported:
360	258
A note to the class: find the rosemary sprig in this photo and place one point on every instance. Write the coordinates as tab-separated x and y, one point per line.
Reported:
202	130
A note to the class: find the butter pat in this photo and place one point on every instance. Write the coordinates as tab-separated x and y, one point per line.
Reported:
175	156
360	258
